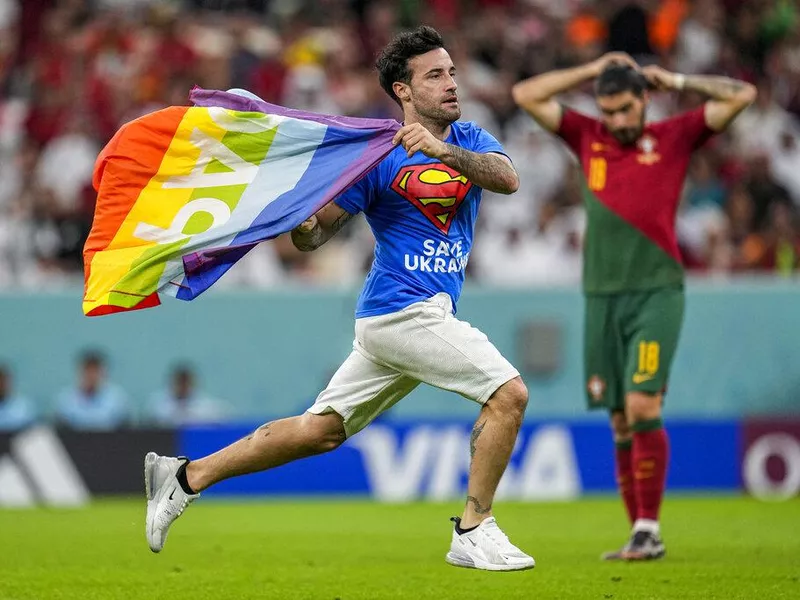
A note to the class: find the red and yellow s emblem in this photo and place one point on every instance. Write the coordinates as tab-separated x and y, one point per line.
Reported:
435	189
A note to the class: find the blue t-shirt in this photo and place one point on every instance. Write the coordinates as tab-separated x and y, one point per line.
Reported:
422	214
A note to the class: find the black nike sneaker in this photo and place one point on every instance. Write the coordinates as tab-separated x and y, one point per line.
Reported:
617	554
644	545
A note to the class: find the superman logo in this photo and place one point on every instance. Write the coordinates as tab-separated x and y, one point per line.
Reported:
435	189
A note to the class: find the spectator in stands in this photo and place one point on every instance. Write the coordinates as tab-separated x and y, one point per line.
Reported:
627	32
763	188
182	404
786	165
705	187
72	72
700	38
16	410
760	127
94	403
549	254
740	211
777	249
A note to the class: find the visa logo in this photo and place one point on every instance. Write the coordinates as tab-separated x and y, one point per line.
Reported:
433	463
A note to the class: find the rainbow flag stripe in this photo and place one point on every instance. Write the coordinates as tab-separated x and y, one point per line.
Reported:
185	192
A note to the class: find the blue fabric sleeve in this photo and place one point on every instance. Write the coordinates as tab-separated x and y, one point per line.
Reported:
358	197
483	142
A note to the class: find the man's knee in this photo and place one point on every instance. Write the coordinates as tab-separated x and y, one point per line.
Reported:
511	398
640	406
324	432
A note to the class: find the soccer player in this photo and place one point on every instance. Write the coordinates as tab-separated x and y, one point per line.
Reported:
633	277
421	203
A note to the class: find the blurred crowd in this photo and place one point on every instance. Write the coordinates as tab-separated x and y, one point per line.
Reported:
72	71
93	402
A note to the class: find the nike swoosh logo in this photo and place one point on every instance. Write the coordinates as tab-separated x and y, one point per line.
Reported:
172	493
641	378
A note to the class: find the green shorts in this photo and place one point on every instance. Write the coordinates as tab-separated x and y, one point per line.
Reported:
630	340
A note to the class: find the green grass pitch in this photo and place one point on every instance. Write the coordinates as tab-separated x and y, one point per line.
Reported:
722	548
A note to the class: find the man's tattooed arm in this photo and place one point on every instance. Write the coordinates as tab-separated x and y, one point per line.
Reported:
321	227
715	87
308	236
727	98
491	171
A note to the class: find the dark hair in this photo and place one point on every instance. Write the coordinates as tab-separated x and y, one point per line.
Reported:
617	78
182	370
93	358
392	64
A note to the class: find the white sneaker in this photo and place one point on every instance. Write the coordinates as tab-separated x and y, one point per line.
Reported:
166	499
487	547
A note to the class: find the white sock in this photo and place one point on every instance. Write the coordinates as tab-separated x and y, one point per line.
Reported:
647	525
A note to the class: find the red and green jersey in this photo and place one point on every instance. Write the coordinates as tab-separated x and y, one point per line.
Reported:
632	195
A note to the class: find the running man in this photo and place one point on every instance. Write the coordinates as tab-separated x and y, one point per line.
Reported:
421	203
633	276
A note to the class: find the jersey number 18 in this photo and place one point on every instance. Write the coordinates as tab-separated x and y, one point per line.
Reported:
598	168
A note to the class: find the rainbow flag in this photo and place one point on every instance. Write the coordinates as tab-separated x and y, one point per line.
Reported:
185	192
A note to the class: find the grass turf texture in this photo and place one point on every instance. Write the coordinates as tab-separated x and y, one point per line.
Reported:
716	548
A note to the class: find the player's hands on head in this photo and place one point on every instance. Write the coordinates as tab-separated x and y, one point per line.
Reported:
416	138
659	78
623	58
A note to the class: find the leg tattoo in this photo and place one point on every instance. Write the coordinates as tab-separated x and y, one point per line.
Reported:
473	439
265	428
478	508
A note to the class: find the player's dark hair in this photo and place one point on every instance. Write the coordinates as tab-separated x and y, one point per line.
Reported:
617	78
392	64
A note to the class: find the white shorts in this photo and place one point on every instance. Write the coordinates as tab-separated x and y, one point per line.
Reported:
393	353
